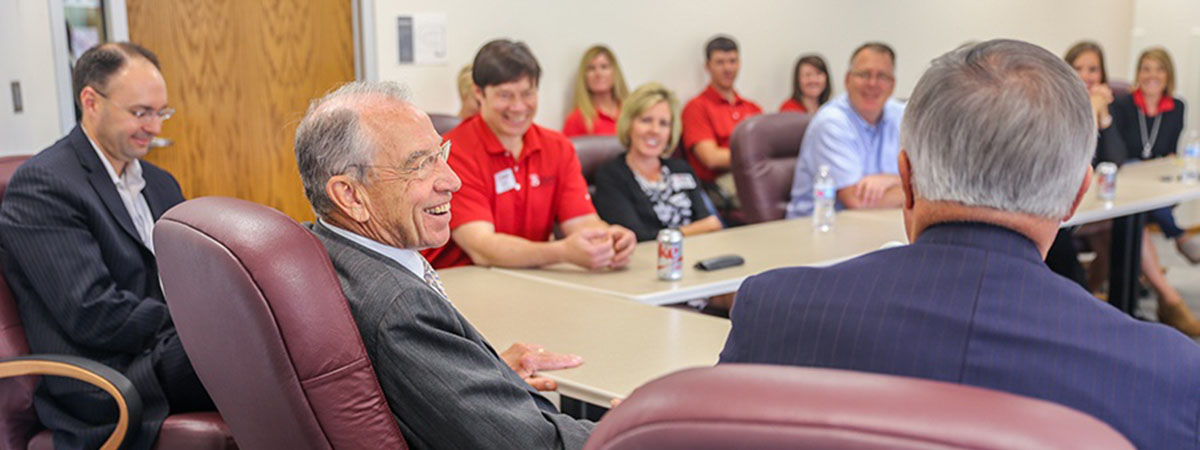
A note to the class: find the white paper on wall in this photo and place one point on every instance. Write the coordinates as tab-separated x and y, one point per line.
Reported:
421	38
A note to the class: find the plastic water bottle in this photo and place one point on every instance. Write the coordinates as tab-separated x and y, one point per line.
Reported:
824	197
1191	158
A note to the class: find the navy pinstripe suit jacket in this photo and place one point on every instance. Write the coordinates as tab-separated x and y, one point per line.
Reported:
85	284
974	304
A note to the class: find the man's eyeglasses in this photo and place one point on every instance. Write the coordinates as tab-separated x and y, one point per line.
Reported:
869	76
420	165
143	115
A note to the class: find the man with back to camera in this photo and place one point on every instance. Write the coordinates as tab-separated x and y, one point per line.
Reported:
857	135
375	172
520	179
996	146
76	225
710	117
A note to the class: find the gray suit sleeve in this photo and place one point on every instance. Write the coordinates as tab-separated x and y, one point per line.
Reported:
456	393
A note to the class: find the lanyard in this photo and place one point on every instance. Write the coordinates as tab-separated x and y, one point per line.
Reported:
1148	144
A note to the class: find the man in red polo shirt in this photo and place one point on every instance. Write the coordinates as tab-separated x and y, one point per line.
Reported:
709	118
519	179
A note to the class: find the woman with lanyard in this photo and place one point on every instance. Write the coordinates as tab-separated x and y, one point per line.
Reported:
1150	122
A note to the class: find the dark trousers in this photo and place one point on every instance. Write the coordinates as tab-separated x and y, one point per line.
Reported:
1063	257
1165	219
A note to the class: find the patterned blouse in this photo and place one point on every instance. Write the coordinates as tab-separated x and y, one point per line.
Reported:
669	198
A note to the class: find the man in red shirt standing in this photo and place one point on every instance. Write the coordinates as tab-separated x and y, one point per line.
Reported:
709	118
519	179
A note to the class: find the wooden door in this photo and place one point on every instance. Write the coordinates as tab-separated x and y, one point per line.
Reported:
241	73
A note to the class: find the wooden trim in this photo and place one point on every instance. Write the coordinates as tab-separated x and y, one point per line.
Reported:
17	368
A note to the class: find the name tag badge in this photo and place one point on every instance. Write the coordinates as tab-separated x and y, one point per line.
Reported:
505	181
683	181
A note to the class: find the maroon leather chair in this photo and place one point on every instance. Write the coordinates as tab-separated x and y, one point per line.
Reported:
1120	88
594	151
443	123
19	427
261	314
763	156
778	407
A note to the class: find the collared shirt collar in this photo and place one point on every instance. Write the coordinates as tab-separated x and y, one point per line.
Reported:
1166	103
530	144
409	259
711	93
131	179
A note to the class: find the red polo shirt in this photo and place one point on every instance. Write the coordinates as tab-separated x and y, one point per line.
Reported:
792	105
710	116
523	197
604	125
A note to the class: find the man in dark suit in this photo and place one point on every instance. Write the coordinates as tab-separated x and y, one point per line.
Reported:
75	227
997	141
375	172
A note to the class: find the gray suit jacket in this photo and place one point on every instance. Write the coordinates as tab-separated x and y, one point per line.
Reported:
445	384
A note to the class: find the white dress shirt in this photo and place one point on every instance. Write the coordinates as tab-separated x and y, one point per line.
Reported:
410	259
130	185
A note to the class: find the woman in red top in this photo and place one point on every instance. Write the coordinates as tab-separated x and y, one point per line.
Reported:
599	90
811	86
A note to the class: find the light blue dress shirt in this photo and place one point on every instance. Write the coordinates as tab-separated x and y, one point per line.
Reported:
837	136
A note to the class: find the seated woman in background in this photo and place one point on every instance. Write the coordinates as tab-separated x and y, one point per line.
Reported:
1124	140
811	86
1087	58
466	94
641	190
599	90
1150	122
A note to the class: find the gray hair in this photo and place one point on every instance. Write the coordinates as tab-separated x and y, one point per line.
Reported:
1001	124
330	140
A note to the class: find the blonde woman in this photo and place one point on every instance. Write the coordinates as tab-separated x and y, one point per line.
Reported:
466	93
641	190
599	90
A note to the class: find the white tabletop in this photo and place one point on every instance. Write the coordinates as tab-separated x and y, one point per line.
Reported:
624	344
1141	186
764	246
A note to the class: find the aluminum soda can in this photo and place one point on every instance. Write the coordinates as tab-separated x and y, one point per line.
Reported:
1106	177
670	254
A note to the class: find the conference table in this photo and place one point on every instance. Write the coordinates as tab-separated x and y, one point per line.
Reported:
1141	187
624	343
763	246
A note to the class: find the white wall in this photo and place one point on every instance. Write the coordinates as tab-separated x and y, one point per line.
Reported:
26	56
663	40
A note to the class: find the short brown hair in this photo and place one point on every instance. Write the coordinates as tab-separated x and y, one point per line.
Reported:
99	63
875	46
504	61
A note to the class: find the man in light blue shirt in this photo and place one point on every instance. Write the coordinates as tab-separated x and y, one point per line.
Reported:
858	136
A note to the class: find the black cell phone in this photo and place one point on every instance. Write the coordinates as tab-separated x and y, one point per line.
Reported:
720	262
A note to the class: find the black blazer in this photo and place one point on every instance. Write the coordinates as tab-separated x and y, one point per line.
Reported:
85	284
620	200
1125	121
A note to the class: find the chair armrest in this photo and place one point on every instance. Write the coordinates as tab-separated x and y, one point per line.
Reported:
129	402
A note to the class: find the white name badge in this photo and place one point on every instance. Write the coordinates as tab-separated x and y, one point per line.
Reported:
505	181
683	181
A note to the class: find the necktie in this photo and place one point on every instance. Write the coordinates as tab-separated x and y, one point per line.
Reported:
432	279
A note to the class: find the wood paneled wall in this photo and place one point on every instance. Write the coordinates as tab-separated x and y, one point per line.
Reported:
241	73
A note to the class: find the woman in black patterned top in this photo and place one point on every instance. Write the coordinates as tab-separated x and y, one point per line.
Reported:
641	190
